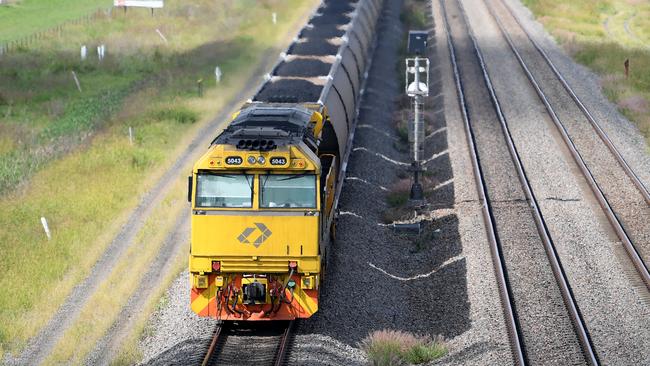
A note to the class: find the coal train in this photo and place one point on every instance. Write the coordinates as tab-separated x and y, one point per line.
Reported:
264	196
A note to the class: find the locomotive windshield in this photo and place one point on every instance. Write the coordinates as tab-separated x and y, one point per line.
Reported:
288	191
224	190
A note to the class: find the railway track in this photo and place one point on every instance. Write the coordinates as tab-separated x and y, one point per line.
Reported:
633	211
522	341
250	344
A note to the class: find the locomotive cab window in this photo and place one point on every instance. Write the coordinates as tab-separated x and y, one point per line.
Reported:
224	190
288	191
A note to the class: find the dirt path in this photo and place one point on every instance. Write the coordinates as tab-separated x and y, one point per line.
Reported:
175	244
43	343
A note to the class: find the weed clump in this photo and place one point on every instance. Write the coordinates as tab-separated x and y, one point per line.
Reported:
393	347
179	114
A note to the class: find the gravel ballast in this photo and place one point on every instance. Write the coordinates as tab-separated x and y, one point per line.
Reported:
368	285
176	333
621	193
486	343
546	328
612	307
624	134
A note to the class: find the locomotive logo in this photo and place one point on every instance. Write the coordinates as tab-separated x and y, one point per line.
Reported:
264	233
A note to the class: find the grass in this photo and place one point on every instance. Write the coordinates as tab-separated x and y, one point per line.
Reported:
393	347
114	291
87	188
130	352
41	107
21	18
594	33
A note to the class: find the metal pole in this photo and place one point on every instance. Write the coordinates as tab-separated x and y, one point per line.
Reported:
417	193
416	115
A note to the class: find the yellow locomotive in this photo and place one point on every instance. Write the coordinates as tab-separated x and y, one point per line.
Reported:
263	196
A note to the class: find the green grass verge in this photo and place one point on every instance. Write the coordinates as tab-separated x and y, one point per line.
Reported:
21	18
103	307
90	175
603	34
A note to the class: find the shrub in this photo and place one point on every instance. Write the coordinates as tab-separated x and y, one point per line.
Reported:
394	347
425	352
178	114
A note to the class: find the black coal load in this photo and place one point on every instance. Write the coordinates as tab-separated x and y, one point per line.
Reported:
339	3
316	47
303	68
332	18
289	91
331	31
336	8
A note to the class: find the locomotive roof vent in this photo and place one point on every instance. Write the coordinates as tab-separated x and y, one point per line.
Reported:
261	145
264	128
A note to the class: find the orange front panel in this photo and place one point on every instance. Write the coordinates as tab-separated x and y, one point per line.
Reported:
303	304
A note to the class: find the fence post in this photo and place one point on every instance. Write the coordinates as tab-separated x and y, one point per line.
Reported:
46	228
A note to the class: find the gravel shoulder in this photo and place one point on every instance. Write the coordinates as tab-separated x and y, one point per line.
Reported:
545	326
613	308
621	193
487	341
624	134
369	283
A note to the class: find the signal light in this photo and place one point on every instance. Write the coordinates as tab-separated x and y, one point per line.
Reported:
298	163
216	266
293	264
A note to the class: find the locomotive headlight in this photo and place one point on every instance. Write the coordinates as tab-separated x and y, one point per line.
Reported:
261	160
307	282
251	160
200	281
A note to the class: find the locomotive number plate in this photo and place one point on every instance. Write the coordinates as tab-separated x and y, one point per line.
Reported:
234	160
278	161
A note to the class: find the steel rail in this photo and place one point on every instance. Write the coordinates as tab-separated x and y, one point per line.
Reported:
498	261
213	344
602	200
549	246
601	133
221	333
284	344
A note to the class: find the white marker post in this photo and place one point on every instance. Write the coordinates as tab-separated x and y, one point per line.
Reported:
217	74
101	50
46	228
131	135
76	81
84	52
275	18
161	35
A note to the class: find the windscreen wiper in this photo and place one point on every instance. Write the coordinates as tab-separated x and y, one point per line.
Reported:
294	177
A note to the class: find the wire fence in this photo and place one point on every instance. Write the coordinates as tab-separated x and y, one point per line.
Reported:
28	42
